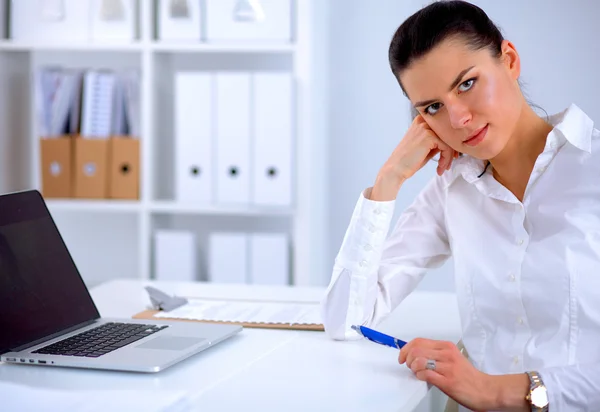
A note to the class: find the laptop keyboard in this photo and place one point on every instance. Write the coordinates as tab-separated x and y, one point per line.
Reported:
101	340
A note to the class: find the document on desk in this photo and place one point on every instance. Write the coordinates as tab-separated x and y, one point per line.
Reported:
296	313
16	397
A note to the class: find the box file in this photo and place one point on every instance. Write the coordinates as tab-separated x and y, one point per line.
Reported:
124	168
228	257
248	20
272	147
179	20
175	255
49	21
91	161
113	21
233	138
193	137
269	259
56	167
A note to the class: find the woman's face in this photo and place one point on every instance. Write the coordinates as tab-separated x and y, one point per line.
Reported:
460	92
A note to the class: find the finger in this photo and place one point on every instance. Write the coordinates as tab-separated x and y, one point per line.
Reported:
419	119
432	154
433	378
425	353
420	364
446	157
415	343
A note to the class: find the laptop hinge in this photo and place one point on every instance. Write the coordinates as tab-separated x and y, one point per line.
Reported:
54	335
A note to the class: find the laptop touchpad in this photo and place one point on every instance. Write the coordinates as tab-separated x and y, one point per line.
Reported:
170	342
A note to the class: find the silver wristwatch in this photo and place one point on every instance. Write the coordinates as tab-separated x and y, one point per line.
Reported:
537	396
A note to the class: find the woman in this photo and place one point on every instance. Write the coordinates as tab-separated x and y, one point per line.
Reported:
516	203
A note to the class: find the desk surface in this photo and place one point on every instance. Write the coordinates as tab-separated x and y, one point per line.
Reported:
270	369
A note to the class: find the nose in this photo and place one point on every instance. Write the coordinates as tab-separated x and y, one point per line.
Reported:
460	115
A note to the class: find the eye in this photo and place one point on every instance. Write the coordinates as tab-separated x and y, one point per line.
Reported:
466	86
432	109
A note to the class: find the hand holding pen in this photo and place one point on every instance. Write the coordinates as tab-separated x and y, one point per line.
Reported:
441	364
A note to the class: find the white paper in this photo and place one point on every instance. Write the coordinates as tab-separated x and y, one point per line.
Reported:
247	311
17	397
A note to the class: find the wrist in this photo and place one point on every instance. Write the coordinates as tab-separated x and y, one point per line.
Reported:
386	188
509	392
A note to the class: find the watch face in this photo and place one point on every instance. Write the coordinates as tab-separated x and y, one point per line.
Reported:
539	397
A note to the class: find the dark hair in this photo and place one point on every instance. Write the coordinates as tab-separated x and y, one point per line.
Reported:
439	21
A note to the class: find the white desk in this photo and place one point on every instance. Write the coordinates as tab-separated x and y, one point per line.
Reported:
270	370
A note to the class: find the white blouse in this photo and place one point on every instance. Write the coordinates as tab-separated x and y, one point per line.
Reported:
527	274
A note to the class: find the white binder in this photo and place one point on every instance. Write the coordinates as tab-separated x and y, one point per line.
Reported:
113	20
228	257
233	138
175	256
179	20
193	134
269	259
97	104
272	139
49	21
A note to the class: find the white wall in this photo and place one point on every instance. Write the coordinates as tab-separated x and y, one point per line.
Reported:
558	44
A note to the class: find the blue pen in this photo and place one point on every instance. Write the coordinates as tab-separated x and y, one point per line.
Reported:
379	337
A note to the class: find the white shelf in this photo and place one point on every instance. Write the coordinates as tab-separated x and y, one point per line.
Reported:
167	47
161	207
120	232
165	207
8	45
85	205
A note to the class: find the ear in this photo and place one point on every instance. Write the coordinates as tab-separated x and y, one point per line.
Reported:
510	59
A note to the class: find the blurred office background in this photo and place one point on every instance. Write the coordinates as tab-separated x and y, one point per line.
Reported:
239	134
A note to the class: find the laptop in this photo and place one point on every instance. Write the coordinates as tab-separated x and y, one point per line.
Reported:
47	316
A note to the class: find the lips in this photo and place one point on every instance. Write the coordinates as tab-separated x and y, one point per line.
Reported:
476	136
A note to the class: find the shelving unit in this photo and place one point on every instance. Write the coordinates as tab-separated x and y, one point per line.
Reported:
110	239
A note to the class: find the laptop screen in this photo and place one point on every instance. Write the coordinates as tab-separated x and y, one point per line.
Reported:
41	291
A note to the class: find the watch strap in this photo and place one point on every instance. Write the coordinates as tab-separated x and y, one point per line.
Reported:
535	381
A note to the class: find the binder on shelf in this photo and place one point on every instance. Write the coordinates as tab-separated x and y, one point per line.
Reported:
98	102
248	20
233	138
92	146
269	259
56	166
91	158
53	96
175	256
193	134
98	110
55	21
179	20
124	168
227	257
113	21
269	314
272	139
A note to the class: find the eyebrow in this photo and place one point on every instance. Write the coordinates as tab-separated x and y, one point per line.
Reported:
452	86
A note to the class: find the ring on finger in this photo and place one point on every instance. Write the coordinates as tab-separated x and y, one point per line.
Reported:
430	364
